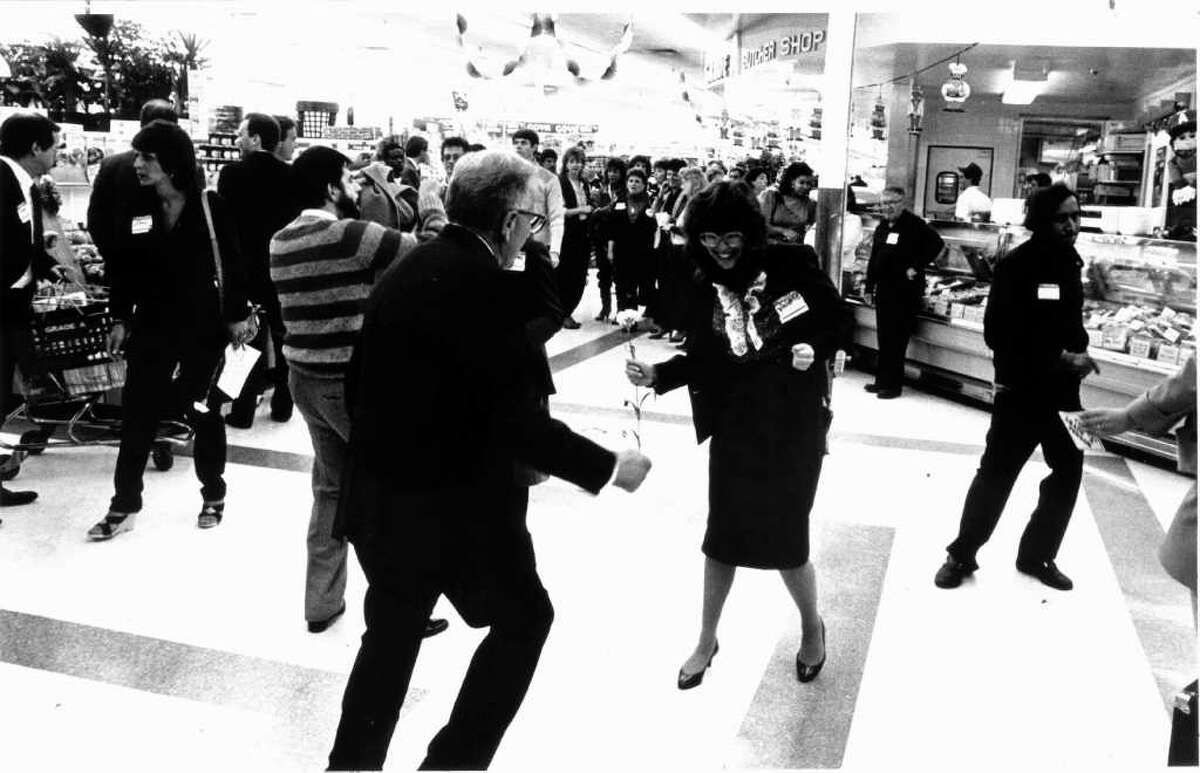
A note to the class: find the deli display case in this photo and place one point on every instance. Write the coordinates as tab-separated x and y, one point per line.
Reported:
1139	311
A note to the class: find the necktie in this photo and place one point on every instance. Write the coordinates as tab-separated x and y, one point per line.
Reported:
35	197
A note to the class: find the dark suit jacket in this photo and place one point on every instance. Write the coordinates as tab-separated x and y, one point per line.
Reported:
261	195
18	250
441	409
114	191
916	246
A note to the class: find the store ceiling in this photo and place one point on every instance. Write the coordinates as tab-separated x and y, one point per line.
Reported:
1077	74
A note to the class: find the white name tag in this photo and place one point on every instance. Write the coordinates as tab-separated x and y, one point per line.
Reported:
518	263
141	225
790	306
1048	293
893	238
23	212
619	206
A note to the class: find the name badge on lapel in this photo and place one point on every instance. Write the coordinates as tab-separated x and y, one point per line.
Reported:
790	306
23	212
141	225
1049	292
518	263
893	238
619	206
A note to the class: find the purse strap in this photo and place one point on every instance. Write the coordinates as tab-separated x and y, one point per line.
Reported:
216	251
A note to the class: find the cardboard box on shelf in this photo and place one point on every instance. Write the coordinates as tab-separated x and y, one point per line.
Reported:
1167	353
1139	346
1115	337
1095	337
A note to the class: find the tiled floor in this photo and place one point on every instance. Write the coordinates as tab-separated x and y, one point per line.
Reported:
175	649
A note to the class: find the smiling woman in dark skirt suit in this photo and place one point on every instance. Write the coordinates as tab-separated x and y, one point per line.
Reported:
763	323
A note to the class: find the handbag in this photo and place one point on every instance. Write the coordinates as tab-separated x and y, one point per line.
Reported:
220	271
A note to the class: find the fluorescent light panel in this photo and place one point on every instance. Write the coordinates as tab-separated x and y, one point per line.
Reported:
1029	79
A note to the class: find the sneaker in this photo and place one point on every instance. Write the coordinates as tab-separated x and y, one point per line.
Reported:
210	515
112	525
1047	573
952	573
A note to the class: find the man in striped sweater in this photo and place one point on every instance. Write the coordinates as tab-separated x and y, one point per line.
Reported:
323	265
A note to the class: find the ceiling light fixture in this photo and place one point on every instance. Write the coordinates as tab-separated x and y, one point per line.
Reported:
1028	82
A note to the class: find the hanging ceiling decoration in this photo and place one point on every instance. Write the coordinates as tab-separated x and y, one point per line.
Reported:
956	89
879	118
916	109
544	58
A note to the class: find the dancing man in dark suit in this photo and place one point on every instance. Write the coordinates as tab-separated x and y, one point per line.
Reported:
28	149
444	412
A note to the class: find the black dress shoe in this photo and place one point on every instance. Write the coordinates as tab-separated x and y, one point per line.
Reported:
240	420
952	573
435	626
282	415
805	672
13	498
318	626
688	681
887	394
569	323
1047	572
872	388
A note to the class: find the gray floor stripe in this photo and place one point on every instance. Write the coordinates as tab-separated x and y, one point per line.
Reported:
596	346
1128	525
305	701
793	725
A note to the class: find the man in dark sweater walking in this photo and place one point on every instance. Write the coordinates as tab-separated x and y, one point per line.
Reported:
324	265
1034	327
904	245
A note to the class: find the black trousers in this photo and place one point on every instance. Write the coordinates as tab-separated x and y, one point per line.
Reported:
1019	424
490	575
262	376
571	274
895	319
604	270
14	350
151	395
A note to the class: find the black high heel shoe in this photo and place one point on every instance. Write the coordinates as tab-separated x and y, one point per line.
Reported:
805	672
688	681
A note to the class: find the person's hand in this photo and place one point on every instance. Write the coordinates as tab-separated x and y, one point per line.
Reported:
1079	363
789	234
911	273
869	297
640	373
553	259
632	467
803	356
242	332
115	345
1106	421
585	209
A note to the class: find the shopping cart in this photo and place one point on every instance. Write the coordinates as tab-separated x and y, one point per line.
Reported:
65	378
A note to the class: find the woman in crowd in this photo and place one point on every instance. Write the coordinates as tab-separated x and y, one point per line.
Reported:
606	201
175	305
758	179
572	269
763	324
787	208
631	244
677	278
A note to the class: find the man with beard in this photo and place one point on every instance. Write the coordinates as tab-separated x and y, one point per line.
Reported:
324	264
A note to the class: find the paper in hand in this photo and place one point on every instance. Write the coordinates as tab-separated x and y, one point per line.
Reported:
238	362
1083	439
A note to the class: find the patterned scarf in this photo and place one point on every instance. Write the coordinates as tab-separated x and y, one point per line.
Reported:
739	314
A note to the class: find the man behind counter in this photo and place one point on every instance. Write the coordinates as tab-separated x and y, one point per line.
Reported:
903	246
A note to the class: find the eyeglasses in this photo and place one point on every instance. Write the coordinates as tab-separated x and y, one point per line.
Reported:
733	240
536	220
890	202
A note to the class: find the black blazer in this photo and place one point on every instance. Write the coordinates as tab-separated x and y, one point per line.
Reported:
441	408
262	197
707	368
18	250
114	191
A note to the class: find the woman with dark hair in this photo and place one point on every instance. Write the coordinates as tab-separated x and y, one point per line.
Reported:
764	322
609	201
788	209
1034	327
576	249
759	179
175	306
631	244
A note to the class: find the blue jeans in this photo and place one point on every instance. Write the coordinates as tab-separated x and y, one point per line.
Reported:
322	403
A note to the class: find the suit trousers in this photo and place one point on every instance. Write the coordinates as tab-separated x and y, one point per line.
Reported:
571	274
322	403
485	566
895	318
1019	424
152	395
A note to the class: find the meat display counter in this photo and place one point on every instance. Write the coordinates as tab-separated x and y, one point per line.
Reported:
1139	311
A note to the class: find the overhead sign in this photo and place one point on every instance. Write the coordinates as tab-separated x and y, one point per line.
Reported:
796	38
352	133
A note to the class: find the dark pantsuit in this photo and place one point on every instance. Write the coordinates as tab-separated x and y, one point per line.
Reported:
490	575
895	318
571	274
1018	426
150	396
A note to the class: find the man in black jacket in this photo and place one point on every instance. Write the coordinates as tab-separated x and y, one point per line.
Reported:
28	149
262	197
1034	327
444	410
903	246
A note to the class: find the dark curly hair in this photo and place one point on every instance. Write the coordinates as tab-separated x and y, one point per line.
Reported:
790	173
724	207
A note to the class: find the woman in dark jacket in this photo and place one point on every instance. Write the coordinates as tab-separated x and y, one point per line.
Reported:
571	273
764	323
631	244
174	309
